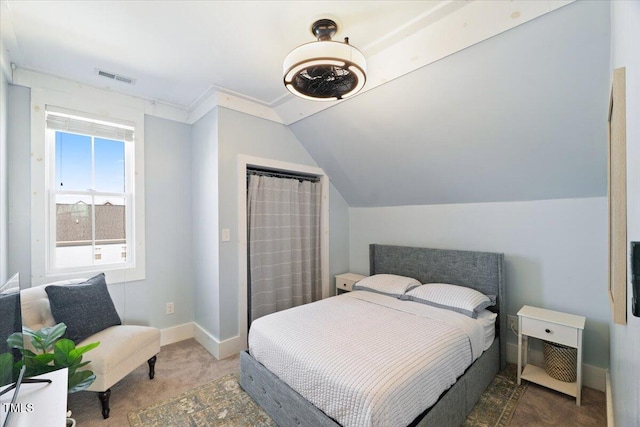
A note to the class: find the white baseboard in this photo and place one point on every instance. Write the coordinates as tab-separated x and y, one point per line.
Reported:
211	344
219	349
176	333
610	421
592	376
232	346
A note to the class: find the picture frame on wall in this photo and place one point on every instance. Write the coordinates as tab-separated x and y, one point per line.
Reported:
617	197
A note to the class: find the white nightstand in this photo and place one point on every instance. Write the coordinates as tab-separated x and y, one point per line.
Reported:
345	282
553	326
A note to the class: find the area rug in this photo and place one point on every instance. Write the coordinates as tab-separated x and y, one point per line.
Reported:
220	403
498	402
223	403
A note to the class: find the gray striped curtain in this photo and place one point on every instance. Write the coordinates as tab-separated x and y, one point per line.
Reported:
284	243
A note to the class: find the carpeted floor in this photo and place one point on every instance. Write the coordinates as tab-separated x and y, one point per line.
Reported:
176	380
180	367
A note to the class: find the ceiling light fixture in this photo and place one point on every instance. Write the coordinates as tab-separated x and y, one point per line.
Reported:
324	70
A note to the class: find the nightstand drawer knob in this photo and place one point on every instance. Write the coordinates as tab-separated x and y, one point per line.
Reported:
548	331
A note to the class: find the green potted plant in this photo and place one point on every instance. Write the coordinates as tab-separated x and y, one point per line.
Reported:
52	352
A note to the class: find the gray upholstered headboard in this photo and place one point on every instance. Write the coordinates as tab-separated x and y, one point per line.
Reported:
483	271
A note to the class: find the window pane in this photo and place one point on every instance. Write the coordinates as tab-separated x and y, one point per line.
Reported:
73	231
111	245
73	162
73	220
109	164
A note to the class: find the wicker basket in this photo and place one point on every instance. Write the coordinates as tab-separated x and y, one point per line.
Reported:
560	362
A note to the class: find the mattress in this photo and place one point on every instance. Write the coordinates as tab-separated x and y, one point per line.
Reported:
367	359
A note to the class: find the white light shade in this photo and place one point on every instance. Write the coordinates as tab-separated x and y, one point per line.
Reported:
324	70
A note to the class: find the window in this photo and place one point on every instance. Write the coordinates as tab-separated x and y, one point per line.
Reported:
108	120
90	192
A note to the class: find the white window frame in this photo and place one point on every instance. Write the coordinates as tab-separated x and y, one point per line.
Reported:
97	103
128	194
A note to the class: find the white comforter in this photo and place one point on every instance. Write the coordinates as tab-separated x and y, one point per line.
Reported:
366	359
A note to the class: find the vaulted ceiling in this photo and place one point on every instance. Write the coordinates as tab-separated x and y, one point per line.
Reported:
521	116
466	101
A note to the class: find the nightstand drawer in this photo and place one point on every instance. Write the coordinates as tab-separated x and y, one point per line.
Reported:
344	284
560	334
345	281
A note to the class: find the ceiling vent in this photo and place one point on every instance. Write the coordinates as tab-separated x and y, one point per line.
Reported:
117	77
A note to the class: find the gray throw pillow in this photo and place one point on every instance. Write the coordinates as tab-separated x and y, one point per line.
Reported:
10	320
86	308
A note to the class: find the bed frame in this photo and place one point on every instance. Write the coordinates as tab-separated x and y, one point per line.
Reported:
483	271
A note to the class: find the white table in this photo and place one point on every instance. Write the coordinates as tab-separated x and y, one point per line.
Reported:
556	327
38	404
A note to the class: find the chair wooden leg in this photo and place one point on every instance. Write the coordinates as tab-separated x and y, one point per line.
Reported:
104	399
152	367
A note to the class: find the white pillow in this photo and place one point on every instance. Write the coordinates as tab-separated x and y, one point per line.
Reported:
388	284
487	320
452	297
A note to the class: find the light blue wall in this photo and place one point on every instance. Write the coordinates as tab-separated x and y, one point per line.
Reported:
555	251
338	235
4	189
217	140
169	274
19	182
482	124
244	134
191	192
204	215
625	339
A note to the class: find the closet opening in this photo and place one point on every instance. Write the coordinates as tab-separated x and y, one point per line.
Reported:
283	240
286	284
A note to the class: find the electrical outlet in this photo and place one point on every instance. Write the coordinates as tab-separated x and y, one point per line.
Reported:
170	308
513	323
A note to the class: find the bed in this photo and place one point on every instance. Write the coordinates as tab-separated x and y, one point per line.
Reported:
482	271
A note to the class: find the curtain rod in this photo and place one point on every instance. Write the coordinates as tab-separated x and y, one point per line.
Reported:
282	174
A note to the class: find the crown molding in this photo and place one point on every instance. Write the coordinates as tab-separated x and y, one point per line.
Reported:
428	38
215	96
